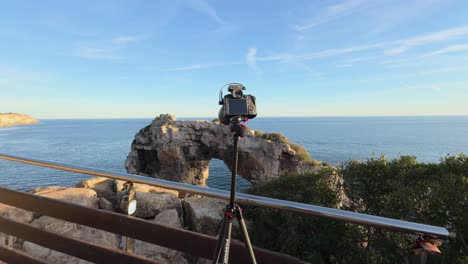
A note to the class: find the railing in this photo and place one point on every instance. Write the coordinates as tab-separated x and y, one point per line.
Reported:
182	240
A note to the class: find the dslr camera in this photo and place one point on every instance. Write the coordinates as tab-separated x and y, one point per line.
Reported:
236	104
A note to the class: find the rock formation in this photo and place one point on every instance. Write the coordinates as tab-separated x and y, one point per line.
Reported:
81	196
181	151
161	206
11	119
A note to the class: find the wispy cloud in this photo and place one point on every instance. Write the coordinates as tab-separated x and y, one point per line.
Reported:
12	73
331	13
98	53
202	66
435	87
390	47
251	60
449	49
252	57
440	36
123	40
106	49
205	8
320	54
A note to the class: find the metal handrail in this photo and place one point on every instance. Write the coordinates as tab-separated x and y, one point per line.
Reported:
353	217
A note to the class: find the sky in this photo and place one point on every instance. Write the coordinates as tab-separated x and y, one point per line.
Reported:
138	59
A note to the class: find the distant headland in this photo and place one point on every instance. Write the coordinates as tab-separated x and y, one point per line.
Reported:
14	119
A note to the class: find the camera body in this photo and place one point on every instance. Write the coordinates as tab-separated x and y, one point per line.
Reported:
236	104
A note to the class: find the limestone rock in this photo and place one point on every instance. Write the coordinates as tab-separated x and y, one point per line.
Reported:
51	256
169	218
204	215
104	187
104	204
85	197
12	119
70	230
146	188
181	151
43	190
19	215
149	204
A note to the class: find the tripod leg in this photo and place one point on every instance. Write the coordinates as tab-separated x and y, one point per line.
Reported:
227	241
247	242
220	243
224	237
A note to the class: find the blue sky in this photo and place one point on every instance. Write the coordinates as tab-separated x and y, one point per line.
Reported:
124	59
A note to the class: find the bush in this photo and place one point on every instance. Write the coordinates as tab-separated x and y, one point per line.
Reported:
313	239
434	194
272	136
302	154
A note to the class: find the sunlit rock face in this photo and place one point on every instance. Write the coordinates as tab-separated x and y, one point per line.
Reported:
181	151
12	119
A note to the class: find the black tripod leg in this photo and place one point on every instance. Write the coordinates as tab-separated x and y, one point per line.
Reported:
224	238
221	240
247	242
227	241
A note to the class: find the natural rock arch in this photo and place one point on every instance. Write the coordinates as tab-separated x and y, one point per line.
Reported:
181	151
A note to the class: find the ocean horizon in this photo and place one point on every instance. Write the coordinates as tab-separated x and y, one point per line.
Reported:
104	143
215	117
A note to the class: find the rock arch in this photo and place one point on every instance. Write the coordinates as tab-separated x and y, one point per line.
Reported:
181	151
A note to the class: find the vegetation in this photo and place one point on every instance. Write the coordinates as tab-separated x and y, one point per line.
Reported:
272	136
403	188
301	152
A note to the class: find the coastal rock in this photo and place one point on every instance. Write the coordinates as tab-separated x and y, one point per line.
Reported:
12	119
104	187
204	215
104	204
146	188
81	196
71	230
168	218
17	215
85	197
181	151
149	204
43	190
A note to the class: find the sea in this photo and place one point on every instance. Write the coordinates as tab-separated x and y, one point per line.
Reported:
105	144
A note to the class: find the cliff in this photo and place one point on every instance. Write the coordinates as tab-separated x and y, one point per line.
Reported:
12	119
181	151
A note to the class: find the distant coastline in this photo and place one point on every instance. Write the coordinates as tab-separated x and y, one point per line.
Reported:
14	119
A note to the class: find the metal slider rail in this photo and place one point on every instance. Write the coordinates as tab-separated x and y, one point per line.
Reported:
348	216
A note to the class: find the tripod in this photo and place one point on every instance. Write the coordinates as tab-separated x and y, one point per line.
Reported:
224	237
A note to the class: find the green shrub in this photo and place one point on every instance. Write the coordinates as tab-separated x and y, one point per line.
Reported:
313	239
272	136
302	153
434	194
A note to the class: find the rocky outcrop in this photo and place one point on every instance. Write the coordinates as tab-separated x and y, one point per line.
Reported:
181	151
81	196
158	205
168	218
155	204
11	119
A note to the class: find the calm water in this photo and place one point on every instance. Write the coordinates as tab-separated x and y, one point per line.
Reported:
105	143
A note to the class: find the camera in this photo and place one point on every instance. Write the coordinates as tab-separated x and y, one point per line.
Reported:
236	104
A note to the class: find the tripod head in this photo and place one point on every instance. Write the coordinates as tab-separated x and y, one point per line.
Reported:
238	127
